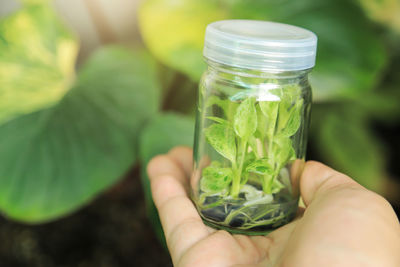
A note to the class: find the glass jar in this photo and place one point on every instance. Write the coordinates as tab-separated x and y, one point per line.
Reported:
251	127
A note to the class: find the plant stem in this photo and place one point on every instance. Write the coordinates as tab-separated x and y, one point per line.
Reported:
269	148
238	169
268	179
261	147
268	188
265	153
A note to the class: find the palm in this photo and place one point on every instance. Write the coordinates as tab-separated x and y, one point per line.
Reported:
219	248
337	228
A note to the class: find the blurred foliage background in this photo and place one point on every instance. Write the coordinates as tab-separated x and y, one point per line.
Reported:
90	91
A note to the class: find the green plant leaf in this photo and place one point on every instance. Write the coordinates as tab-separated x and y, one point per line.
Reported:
219	120
162	133
283	151
346	143
215	179
293	120
290	110
350	54
381	105
57	159
285	108
37	58
260	166
386	12
267	123
349	64
161	21
222	138
245	120
269	109
263	167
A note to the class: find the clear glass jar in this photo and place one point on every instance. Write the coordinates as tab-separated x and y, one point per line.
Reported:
251	126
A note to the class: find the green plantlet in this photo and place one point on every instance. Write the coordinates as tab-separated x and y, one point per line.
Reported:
222	139
215	179
256	138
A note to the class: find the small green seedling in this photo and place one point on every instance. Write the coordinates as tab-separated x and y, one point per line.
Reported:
259	136
255	138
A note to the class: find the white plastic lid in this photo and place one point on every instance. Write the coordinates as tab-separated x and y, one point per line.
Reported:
260	45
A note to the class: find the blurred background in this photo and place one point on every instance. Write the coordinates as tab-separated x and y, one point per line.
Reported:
91	90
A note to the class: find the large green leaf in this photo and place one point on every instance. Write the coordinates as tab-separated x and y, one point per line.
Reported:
179	26
386	12
383	104
56	159
350	55
37	57
346	143
161	134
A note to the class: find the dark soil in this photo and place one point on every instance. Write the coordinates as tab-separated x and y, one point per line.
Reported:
111	231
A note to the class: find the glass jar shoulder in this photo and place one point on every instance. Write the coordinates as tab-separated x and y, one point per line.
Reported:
237	85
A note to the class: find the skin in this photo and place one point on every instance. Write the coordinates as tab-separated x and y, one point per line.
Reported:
343	223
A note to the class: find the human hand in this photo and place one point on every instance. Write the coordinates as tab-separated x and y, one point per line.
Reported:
343	224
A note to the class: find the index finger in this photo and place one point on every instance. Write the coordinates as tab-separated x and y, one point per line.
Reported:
182	224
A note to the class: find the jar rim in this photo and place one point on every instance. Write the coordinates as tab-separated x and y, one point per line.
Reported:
260	45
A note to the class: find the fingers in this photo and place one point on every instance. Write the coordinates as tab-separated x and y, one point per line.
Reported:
169	184
183	156
167	179
317	178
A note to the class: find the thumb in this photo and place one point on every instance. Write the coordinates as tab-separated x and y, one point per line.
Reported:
318	179
344	224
